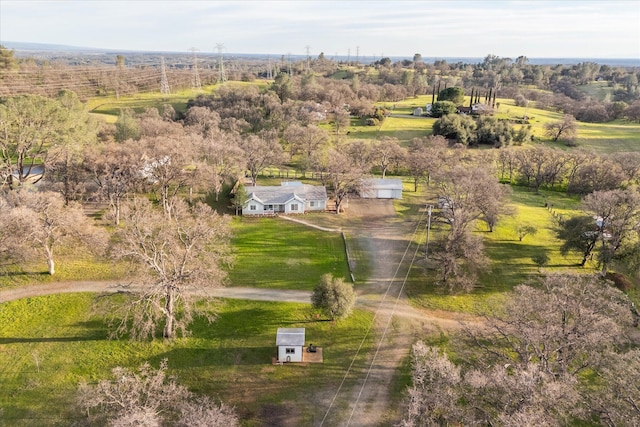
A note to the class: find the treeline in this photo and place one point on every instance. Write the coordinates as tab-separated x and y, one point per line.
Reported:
549	86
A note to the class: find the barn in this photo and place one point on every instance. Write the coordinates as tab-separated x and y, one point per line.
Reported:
382	189
290	344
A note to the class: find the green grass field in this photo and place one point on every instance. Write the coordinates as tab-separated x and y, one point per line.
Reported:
44	357
275	253
511	259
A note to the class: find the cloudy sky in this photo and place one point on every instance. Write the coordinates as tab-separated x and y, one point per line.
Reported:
536	28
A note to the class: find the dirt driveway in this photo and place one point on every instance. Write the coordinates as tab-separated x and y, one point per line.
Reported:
387	241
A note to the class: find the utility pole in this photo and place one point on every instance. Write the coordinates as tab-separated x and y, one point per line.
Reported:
164	82
195	77
222	77
426	249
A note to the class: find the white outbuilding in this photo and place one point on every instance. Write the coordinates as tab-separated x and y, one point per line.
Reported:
387	188
290	343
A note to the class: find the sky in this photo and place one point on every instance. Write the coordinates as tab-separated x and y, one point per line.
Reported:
364	28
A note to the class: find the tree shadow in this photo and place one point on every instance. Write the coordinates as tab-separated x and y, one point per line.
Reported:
221	356
95	330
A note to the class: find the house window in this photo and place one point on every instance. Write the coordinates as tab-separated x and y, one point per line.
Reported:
290	351
294	207
252	207
312	204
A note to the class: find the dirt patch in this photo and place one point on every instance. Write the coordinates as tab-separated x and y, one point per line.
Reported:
369	208
284	415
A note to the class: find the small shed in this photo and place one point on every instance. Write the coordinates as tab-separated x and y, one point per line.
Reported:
290	344
382	189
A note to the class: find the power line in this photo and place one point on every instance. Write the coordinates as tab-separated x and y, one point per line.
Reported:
195	77
164	82
222	77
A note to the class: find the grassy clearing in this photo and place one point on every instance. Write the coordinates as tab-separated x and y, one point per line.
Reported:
109	107
511	259
609	137
69	267
275	253
599	90
403	128
49	344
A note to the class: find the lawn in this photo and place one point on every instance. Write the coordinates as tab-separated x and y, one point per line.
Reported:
279	254
49	344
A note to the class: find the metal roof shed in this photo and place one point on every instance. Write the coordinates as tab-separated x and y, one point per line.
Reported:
290	343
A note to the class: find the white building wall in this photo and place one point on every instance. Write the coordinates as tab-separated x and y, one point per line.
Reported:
289	353
259	208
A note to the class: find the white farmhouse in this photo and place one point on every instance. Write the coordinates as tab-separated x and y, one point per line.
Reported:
375	188
290	343
288	198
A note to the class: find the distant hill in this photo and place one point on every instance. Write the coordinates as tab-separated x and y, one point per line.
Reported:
46	47
26	48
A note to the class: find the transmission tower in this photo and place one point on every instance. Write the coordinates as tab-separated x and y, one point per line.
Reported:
195	76
357	55
222	77
164	82
308	48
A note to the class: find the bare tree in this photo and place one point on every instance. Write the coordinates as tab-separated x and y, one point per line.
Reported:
597	174
435	386
425	156
148	398
116	169
567	129
341	119
466	195
630	165
203	120
223	160
10	239
261	151
166	162
539	165
507	162
45	223
345	174
304	141
617	215
525	368
178	256
387	153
